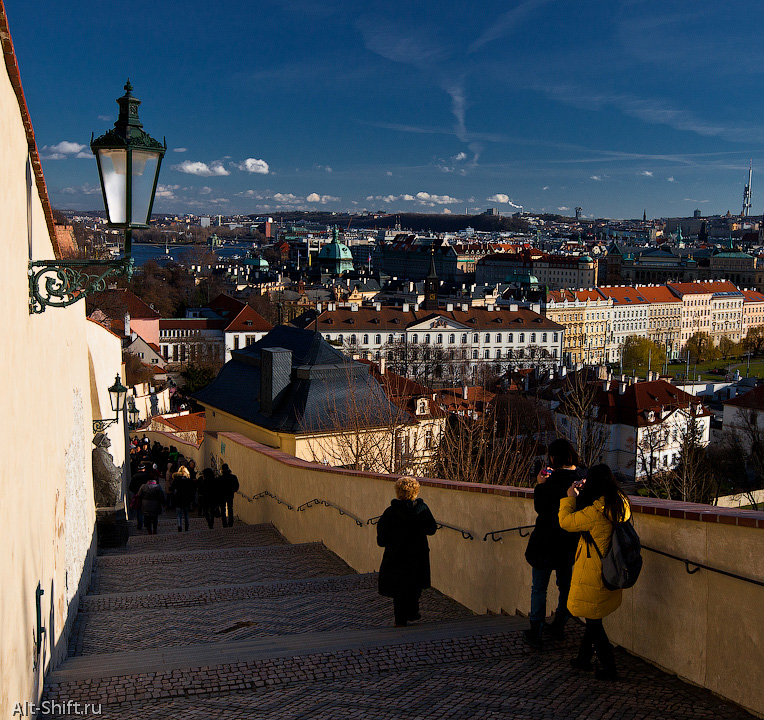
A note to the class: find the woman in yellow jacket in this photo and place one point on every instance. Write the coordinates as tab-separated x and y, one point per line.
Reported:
591	508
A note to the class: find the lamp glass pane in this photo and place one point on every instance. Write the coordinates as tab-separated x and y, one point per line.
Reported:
113	170
144	170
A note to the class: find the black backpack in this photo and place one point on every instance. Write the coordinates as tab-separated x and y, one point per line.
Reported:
623	562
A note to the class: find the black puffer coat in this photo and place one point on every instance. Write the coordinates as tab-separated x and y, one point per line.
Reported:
402	531
152	498
549	546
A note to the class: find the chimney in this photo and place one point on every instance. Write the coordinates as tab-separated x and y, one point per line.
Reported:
275	376
449	307
382	365
464	392
405	307
411	287
416	307
465	307
353	307
378	306
127	324
319	307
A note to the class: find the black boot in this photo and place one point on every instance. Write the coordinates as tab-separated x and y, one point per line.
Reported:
556	628
606	669
533	635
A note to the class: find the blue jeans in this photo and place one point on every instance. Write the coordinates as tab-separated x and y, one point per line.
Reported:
538	592
182	512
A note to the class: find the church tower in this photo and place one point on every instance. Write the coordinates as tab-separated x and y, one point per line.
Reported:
431	285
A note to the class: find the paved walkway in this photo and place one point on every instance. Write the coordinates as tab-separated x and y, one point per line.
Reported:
237	623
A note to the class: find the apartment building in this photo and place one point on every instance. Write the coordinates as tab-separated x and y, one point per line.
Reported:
715	308
586	317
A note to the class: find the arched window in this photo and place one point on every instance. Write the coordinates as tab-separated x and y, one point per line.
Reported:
451	339
464	338
510	338
533	337
378	339
415	338
498	354
365	339
390	338
498	337
543	337
440	338
522	338
474	354
427	339
488	337
476	338
353	340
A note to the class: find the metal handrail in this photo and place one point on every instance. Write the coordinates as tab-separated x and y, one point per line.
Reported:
519	529
466	534
265	493
700	566
326	503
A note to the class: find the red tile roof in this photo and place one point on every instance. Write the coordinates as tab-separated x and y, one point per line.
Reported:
704	288
752	296
249	320
194	422
657	294
12	68
121	300
226	306
753	399
624	295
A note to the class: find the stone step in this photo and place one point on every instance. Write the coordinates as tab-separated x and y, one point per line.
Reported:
336	604
213	567
222	667
200	538
168	523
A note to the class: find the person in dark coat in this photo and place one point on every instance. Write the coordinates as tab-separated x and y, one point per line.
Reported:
136	482
402	531
229	484
550	548
209	495
183	494
152	498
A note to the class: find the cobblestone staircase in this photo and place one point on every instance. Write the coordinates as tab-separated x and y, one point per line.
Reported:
238	623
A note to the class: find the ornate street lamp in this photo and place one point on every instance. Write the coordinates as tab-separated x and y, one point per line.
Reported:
133	413
128	167
117	395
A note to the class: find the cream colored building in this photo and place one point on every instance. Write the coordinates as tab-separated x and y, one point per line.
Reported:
753	311
664	315
586	316
57	367
714	307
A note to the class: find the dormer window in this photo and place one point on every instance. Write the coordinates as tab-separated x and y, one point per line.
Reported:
421	406
248	323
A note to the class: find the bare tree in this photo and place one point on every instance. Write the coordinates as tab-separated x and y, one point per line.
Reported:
584	423
653	439
361	428
693	479
498	446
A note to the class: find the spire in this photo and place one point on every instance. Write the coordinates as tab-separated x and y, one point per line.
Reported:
432	274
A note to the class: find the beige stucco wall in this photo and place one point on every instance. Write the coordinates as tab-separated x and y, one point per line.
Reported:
189	450
46	493
704	627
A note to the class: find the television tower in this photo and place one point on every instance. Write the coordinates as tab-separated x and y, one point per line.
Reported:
747	193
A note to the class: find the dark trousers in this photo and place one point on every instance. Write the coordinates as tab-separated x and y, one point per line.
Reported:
540	583
151	521
211	510
406	606
226	511
595	640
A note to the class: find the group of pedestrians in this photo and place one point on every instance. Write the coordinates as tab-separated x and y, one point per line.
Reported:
177	486
576	514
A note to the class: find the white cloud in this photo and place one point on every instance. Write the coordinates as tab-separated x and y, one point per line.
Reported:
323	199
205	190
253	165
191	167
287	198
563	208
407	198
325	168
63	150
596	177
459	157
105	118
646	173
671	179
85	189
546	187
499	198
428	199
167	192
180	149
389	173
446	211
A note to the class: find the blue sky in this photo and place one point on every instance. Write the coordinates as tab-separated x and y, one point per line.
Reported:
612	105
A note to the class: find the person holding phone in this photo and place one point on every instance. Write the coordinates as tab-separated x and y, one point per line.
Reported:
550	548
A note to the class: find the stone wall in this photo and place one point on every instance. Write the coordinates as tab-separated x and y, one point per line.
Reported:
704	627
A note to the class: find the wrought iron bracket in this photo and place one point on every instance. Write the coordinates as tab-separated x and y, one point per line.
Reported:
59	283
101	425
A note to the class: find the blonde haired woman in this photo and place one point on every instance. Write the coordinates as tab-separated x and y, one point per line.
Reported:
402	531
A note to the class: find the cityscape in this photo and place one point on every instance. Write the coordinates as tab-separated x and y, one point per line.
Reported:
394	251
